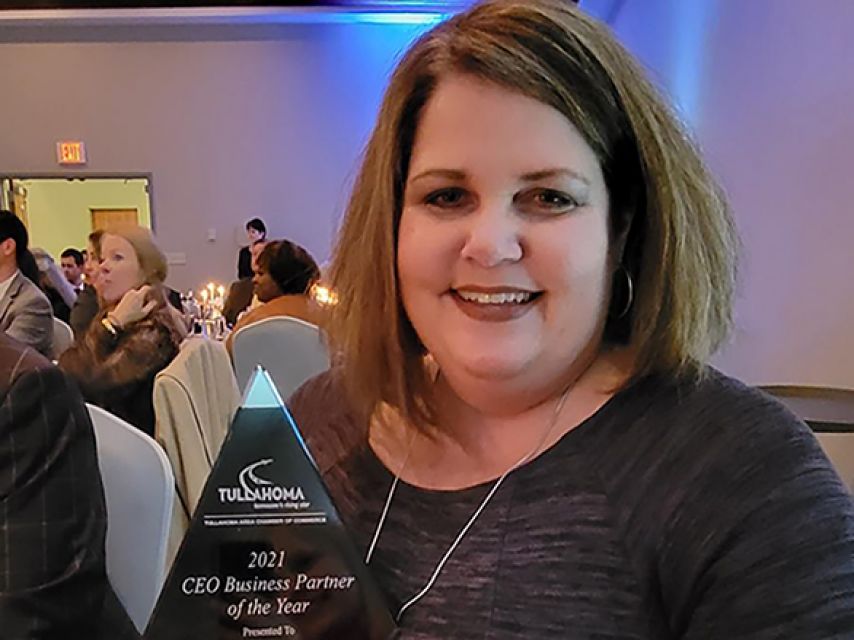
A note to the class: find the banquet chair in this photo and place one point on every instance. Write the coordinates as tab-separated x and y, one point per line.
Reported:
63	337
195	399
829	412
291	350
139	492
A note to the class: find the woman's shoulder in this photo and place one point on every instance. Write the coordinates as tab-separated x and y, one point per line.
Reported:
709	409
325	419
158	331
711	446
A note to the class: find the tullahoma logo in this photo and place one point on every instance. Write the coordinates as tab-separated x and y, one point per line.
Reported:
255	489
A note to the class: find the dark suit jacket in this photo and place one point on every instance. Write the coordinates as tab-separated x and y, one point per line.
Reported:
26	316
53	581
239	297
84	311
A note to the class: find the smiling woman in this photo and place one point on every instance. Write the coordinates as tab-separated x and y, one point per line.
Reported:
524	436
504	240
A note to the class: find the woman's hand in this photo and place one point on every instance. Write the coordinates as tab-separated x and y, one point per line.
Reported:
135	305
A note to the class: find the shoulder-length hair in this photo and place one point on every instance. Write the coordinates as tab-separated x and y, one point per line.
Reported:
290	266
681	244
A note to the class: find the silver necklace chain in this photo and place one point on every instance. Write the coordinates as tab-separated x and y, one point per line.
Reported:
441	565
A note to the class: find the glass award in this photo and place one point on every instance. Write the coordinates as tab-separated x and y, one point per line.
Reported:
266	555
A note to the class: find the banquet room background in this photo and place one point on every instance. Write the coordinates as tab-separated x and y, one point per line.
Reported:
234	119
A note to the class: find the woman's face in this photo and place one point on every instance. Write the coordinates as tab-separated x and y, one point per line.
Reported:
263	284
253	234
120	269
91	267
503	246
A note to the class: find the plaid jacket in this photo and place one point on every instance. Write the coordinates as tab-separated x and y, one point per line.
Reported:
53	580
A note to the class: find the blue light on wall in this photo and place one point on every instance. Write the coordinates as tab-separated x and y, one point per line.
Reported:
374	17
693	21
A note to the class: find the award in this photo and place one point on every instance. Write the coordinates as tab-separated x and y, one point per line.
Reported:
266	555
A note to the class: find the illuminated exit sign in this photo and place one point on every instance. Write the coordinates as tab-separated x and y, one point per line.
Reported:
70	152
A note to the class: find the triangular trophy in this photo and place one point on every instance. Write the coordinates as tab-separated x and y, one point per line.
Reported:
266	555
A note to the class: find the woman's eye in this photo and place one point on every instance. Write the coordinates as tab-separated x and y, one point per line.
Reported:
548	200
446	198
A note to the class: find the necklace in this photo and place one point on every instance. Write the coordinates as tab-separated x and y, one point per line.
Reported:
468	525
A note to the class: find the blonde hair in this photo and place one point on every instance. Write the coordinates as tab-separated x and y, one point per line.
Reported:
681	244
152	260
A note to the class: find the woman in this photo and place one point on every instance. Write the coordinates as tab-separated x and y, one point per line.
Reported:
135	334
283	278
86	307
534	268
256	231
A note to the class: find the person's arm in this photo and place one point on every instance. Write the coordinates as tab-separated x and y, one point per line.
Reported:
777	559
52	515
104	361
60	284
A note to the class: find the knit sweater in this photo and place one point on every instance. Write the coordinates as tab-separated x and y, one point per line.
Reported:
677	511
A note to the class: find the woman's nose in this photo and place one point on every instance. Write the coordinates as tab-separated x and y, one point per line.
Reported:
493	236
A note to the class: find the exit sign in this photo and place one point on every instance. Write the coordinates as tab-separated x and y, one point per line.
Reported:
70	152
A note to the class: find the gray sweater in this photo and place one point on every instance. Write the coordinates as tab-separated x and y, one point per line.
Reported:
677	511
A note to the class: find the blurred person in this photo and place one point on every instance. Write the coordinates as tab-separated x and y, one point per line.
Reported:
71	261
53	581
256	231
135	334
284	274
55	285
87	306
241	292
524	435
25	311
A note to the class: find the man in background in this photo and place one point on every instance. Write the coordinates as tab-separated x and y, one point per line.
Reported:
53	522
25	312
71	261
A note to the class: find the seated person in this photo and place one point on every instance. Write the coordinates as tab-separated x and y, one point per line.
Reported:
71	260
240	292
283	278
87	305
134	336
53	581
25	312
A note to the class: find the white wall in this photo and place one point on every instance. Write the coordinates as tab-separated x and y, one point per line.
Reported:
771	94
230	128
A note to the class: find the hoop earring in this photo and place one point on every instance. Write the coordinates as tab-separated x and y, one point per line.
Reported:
630	298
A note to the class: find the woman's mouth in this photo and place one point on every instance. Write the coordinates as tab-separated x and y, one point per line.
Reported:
494	304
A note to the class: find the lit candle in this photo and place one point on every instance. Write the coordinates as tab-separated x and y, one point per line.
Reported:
204	296
221	291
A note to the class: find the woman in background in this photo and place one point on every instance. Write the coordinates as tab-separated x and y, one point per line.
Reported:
86	307
284	275
256	231
135	334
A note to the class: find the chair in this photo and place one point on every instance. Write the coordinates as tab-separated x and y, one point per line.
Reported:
291	350
63	337
195	399
139	491
829	412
